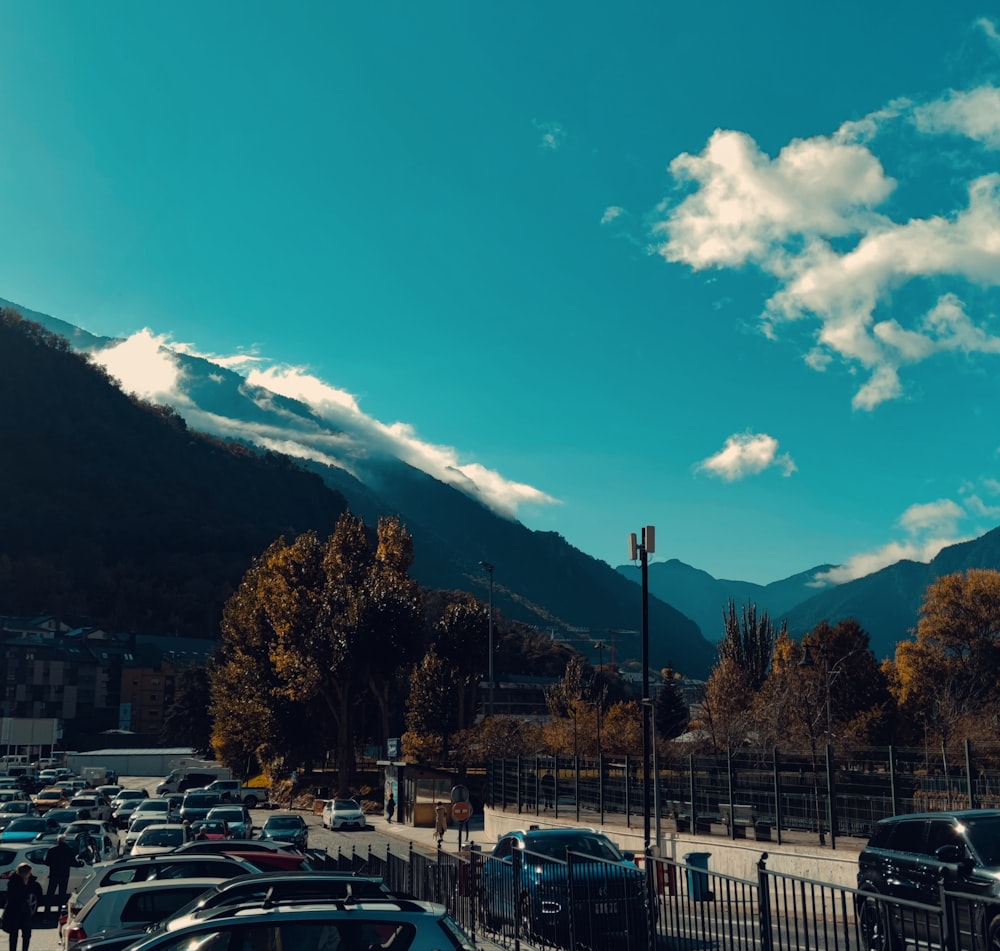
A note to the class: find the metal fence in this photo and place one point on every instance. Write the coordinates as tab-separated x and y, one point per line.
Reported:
752	793
576	903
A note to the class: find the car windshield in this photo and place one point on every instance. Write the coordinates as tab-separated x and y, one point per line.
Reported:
28	824
346	804
555	846
161	837
228	815
283	822
984	837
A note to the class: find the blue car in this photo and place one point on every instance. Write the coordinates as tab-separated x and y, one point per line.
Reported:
27	829
553	885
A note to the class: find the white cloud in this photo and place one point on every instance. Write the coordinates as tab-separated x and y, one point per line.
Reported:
989	29
143	366
928	527
746	454
338	433
974	113
810	218
610	213
746	205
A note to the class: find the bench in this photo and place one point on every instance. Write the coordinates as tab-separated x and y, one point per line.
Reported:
737	818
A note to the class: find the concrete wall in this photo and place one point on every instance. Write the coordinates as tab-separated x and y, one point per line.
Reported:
735	857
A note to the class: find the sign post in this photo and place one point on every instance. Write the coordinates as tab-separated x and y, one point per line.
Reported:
461	812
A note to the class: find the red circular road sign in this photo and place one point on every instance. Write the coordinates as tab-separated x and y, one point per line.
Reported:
461	811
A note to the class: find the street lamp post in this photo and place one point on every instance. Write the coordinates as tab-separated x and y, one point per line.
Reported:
641	551
489	571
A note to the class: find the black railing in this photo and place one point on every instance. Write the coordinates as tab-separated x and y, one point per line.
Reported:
752	794
585	904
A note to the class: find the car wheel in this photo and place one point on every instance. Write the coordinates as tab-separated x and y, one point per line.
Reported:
993	934
250	802
876	929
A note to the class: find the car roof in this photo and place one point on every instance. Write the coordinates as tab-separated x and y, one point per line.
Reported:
156	884
959	814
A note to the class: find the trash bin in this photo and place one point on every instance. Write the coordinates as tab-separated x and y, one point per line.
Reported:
697	875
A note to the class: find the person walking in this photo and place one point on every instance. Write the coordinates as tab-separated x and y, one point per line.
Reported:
390	807
17	913
59	859
548	789
440	821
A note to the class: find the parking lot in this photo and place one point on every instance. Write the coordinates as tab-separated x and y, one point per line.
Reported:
377	836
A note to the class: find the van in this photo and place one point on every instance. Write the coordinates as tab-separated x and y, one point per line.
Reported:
97	775
192	777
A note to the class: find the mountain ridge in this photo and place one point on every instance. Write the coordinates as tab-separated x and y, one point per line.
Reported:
539	578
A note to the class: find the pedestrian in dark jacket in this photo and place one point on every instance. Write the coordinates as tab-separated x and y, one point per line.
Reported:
390	807
60	859
23	893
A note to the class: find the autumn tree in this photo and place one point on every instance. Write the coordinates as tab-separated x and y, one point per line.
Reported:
325	622
947	680
749	642
826	688
498	737
431	715
745	655
670	709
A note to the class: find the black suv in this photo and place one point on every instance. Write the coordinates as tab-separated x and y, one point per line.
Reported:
911	858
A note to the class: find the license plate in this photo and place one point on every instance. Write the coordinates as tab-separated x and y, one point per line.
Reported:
606	908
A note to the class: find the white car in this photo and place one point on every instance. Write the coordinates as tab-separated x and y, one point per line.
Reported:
162	809
95	807
160	837
99	830
167	866
34	853
119	908
343	814
134	830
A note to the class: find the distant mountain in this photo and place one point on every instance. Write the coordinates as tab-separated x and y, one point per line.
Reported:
887	603
704	599
538	577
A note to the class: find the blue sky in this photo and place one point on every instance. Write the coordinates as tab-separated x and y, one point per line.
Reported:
730	271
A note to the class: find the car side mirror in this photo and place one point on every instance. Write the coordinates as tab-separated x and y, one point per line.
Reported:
628	856
953	854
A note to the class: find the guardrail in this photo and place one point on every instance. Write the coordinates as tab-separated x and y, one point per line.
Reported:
540	902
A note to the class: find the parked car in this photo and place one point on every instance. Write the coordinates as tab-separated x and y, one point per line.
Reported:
608	887
343	814
51	797
95	806
913	856
162	808
62	817
286	828
13	854
16	809
135	828
118	908
124	804
197	803
281	886
211	829
163	866
160	837
379	923
236	817
27	828
97	829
